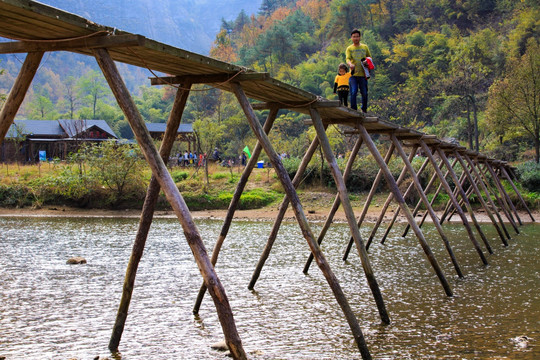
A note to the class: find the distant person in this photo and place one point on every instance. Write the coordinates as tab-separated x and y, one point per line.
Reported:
341	84
356	55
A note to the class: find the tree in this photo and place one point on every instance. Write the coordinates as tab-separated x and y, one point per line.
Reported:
514	101
92	87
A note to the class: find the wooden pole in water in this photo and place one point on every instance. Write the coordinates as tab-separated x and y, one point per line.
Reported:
175	199
485	188
424	198
450	193
448	208
349	213
281	213
391	197
498	196
18	91
417	207
505	174
235	201
302	220
369	198
147	215
465	198
479	195
401	201
337	201
497	180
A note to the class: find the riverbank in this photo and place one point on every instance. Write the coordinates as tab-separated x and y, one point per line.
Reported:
313	213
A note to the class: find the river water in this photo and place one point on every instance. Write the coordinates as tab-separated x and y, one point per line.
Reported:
51	310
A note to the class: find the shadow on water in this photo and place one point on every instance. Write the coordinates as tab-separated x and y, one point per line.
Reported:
51	310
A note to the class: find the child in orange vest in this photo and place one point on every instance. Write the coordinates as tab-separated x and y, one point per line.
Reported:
341	84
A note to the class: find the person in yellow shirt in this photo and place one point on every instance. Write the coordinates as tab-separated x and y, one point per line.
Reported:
355	55
341	84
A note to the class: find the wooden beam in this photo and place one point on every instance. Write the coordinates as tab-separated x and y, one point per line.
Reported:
401	201
208	78
147	215
297	104
18	91
349	214
235	201
72	44
337	201
444	183
159	170
424	198
302	221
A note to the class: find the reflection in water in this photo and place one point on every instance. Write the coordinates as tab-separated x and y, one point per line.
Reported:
49	309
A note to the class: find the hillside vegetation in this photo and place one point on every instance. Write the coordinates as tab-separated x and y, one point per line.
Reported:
461	69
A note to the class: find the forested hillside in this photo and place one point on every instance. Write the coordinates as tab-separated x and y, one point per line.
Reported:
464	69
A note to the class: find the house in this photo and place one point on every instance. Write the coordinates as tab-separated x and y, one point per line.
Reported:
39	140
35	140
185	134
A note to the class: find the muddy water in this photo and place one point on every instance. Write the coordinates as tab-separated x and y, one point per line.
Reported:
51	310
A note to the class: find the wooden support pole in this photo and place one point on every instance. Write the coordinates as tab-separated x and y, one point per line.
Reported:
391	197
369	198
281	213
484	187
424	198
349	214
450	193
302	220
499	197
439	188
235	201
18	91
468	206
479	195
462	180
176	200
497	180
401	201
507	177
337	201
145	221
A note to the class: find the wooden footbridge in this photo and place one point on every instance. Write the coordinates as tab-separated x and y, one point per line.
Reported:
34	29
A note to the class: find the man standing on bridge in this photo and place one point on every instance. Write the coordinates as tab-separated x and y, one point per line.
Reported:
356	54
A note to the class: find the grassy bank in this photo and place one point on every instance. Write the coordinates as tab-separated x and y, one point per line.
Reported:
79	185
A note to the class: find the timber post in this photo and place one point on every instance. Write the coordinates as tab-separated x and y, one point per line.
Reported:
145	221
424	198
302	221
505	174
399	198
235	201
446	186
337	201
18	91
479	195
374	186
351	220
176	200
465	199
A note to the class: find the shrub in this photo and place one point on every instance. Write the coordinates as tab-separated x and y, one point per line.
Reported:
179	175
529	175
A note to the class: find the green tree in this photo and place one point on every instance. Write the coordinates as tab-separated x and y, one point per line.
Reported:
92	88
514	101
119	167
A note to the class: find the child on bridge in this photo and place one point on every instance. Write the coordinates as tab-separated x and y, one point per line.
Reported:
341	84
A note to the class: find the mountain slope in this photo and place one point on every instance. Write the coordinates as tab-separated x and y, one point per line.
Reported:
187	24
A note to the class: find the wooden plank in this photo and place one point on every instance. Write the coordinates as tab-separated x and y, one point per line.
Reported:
208	79
86	43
